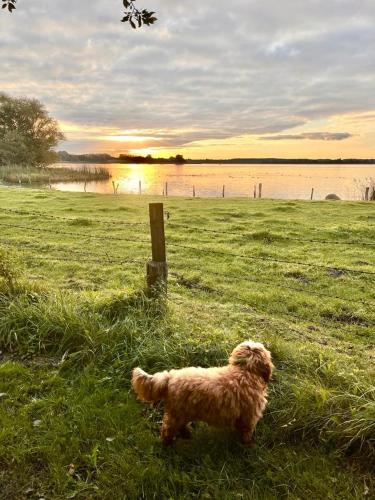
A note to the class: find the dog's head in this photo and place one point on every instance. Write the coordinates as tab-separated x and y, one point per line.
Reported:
253	356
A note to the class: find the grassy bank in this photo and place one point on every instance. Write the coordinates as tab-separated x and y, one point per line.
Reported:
49	175
295	275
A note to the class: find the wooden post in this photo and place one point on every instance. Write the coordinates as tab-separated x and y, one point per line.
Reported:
140	187
223	191
166	189
193	191
255	190
260	189
367	193
312	194
157	268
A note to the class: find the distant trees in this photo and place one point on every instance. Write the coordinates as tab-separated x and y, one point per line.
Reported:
135	17
27	133
127	158
64	156
179	159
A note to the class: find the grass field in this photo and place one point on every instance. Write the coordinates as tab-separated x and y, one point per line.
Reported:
299	276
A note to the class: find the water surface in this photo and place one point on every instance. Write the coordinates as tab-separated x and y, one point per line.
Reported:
279	181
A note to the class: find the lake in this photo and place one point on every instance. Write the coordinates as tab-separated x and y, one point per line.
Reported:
278	181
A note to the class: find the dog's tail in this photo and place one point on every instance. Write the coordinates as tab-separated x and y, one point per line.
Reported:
150	388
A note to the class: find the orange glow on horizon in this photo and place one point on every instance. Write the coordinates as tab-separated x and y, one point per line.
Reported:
360	144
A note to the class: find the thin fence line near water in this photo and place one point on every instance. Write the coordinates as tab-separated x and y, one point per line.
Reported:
65	233
271	259
264	317
329	321
323	324
89	260
71	219
103	258
93	257
277	236
283	286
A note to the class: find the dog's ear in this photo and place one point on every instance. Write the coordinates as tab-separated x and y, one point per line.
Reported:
265	371
263	365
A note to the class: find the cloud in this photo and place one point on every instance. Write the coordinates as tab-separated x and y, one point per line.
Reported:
202	72
311	136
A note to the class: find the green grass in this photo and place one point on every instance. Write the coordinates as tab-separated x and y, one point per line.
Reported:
74	322
14	174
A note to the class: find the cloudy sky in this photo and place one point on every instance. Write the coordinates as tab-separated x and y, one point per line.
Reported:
212	78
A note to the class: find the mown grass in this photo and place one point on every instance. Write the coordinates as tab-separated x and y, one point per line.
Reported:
74	323
13	174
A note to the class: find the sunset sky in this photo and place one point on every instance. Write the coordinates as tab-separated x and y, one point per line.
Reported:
218	79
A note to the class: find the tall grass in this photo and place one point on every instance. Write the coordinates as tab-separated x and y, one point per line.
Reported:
315	397
71	332
13	174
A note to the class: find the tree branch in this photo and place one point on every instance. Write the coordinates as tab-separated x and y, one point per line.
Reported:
134	17
9	4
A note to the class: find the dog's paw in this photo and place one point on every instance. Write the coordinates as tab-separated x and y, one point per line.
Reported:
247	439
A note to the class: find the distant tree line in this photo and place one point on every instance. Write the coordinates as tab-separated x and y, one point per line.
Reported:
63	156
288	161
179	160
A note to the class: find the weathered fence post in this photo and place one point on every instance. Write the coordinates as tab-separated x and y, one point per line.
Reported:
255	190
260	189
140	187
312	194
157	268
223	191
193	191
367	193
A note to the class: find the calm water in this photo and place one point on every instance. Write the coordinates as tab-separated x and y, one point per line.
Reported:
279	181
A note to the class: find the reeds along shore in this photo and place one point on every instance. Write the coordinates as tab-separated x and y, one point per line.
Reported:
47	175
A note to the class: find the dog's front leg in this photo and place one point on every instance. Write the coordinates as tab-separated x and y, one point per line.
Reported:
246	431
169	429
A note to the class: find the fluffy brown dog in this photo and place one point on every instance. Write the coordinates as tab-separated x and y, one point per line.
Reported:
232	395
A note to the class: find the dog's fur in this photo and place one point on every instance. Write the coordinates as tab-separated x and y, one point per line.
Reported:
232	395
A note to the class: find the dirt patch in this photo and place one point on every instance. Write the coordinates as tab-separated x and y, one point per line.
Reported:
297	275
335	272
194	283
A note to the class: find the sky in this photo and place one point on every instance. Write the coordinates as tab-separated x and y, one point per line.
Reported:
212	79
